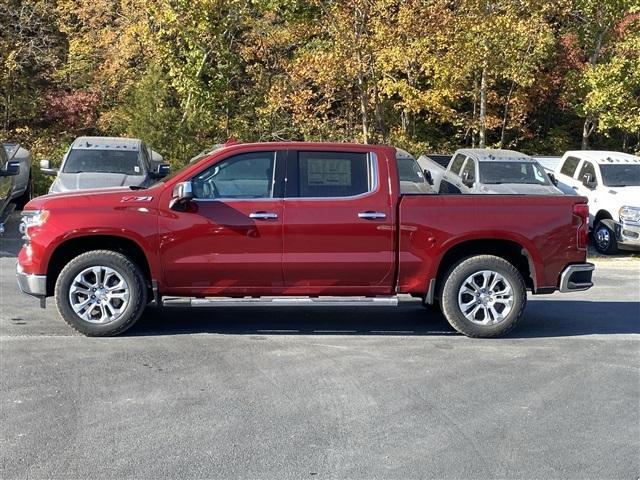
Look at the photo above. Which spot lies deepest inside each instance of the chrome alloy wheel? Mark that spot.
(485, 297)
(99, 294)
(603, 237)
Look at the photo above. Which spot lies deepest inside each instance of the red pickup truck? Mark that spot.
(321, 221)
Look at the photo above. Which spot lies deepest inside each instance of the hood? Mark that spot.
(110, 197)
(65, 182)
(520, 188)
(628, 196)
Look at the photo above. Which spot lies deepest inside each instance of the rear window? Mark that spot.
(103, 161)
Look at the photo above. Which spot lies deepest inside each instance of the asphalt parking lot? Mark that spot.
(321, 392)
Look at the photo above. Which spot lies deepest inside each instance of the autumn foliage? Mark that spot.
(428, 75)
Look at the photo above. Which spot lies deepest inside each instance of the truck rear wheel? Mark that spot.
(483, 296)
(101, 293)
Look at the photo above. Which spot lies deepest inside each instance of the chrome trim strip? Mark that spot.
(565, 278)
(294, 302)
(372, 161)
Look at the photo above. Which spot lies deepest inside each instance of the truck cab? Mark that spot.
(491, 171)
(611, 182)
(101, 162)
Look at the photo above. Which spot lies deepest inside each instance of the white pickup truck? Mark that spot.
(487, 171)
(611, 182)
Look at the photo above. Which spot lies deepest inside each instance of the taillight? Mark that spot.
(581, 210)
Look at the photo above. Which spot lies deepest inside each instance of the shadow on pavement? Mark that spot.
(543, 318)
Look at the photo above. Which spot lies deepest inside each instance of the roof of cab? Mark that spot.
(107, 143)
(496, 155)
(604, 156)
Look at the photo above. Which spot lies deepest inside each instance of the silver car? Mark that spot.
(100, 162)
(21, 192)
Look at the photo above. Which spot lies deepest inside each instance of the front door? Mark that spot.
(338, 224)
(229, 241)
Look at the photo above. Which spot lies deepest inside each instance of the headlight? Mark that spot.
(629, 214)
(32, 218)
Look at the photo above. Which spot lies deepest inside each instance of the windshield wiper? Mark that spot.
(137, 187)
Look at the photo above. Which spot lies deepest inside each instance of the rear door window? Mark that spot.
(569, 166)
(330, 175)
(457, 163)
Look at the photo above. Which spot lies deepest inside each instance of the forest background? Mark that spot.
(426, 75)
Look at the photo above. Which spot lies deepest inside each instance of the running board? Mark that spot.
(282, 302)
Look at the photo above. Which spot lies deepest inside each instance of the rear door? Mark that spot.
(338, 223)
(451, 180)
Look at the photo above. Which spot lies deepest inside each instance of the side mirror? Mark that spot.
(467, 179)
(12, 169)
(45, 167)
(161, 171)
(428, 177)
(588, 181)
(553, 179)
(182, 195)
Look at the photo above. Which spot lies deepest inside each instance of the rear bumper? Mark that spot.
(575, 278)
(35, 285)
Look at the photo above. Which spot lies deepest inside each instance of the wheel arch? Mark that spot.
(75, 246)
(509, 250)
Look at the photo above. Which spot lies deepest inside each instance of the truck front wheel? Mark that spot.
(483, 296)
(604, 239)
(101, 293)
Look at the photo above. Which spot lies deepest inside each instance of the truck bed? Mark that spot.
(431, 225)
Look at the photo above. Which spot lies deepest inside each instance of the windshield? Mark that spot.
(621, 175)
(103, 161)
(512, 172)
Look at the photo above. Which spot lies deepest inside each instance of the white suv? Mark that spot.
(611, 182)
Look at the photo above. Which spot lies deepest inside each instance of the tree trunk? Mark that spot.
(505, 116)
(587, 129)
(483, 109)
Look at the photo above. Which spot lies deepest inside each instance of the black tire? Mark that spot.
(126, 269)
(458, 276)
(604, 239)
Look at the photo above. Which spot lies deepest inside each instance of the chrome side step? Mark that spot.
(282, 302)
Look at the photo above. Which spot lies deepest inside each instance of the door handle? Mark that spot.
(263, 215)
(372, 215)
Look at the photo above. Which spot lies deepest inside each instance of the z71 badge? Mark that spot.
(136, 198)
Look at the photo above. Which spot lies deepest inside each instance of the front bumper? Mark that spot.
(35, 285)
(627, 236)
(575, 278)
